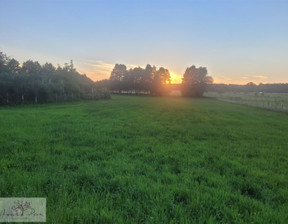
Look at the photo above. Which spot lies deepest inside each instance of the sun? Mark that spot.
(175, 79)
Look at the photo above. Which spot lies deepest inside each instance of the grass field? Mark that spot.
(271, 101)
(147, 160)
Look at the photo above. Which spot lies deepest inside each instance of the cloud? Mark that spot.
(100, 66)
(96, 69)
(222, 79)
(260, 77)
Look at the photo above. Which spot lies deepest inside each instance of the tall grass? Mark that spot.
(147, 160)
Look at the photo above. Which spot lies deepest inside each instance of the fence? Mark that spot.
(270, 101)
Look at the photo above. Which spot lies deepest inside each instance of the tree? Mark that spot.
(148, 77)
(128, 81)
(160, 82)
(117, 76)
(195, 81)
(251, 87)
(102, 84)
(3, 62)
(48, 68)
(139, 80)
(40, 84)
(31, 67)
(69, 68)
(13, 66)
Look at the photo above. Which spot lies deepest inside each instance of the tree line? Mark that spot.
(32, 82)
(155, 82)
(35, 83)
(249, 87)
(138, 80)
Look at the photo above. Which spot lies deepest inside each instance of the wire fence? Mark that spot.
(270, 101)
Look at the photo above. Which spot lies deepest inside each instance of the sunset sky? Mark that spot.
(237, 40)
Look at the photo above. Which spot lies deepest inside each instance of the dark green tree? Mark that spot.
(161, 79)
(4, 59)
(195, 81)
(148, 76)
(117, 76)
(48, 68)
(31, 67)
(41, 84)
(13, 66)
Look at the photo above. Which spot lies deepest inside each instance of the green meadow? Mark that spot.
(136, 159)
(270, 101)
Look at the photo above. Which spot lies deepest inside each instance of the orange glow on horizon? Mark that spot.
(175, 79)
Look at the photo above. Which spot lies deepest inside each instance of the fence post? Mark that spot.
(92, 90)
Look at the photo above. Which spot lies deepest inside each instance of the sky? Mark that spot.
(238, 41)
